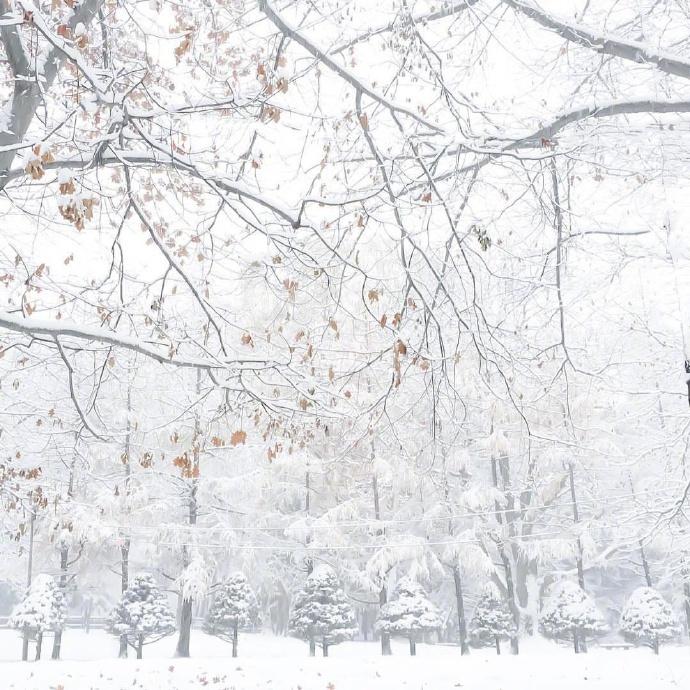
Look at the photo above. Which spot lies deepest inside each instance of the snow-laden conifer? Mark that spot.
(409, 613)
(571, 614)
(321, 611)
(143, 614)
(648, 618)
(41, 610)
(234, 608)
(492, 620)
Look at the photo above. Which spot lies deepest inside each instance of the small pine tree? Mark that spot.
(321, 612)
(409, 613)
(491, 621)
(143, 614)
(648, 619)
(571, 614)
(42, 610)
(234, 607)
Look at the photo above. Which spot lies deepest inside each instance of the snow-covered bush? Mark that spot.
(571, 614)
(648, 619)
(143, 614)
(42, 610)
(321, 612)
(409, 613)
(234, 607)
(492, 620)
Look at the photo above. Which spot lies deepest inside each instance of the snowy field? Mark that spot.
(268, 662)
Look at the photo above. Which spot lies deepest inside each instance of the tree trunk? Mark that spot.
(312, 647)
(29, 570)
(25, 643)
(460, 605)
(686, 591)
(383, 595)
(124, 549)
(413, 647)
(39, 644)
(498, 645)
(503, 555)
(645, 565)
(140, 646)
(234, 640)
(57, 640)
(576, 647)
(325, 647)
(385, 637)
(182, 649)
(124, 583)
(655, 645)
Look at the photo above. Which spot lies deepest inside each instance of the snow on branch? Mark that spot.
(37, 328)
(602, 42)
(62, 46)
(419, 18)
(322, 55)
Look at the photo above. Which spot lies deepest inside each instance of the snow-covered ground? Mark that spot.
(273, 663)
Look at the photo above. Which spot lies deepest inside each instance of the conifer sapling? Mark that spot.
(648, 618)
(571, 614)
(143, 614)
(234, 608)
(42, 610)
(409, 613)
(321, 612)
(492, 620)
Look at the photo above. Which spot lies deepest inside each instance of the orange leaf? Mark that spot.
(238, 437)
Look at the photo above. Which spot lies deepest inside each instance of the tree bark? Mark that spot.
(124, 583)
(460, 605)
(498, 645)
(234, 640)
(124, 550)
(39, 644)
(503, 555)
(183, 640)
(28, 92)
(57, 640)
(184, 637)
(413, 647)
(686, 591)
(140, 646)
(29, 570)
(325, 647)
(25, 643)
(385, 637)
(383, 595)
(312, 647)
